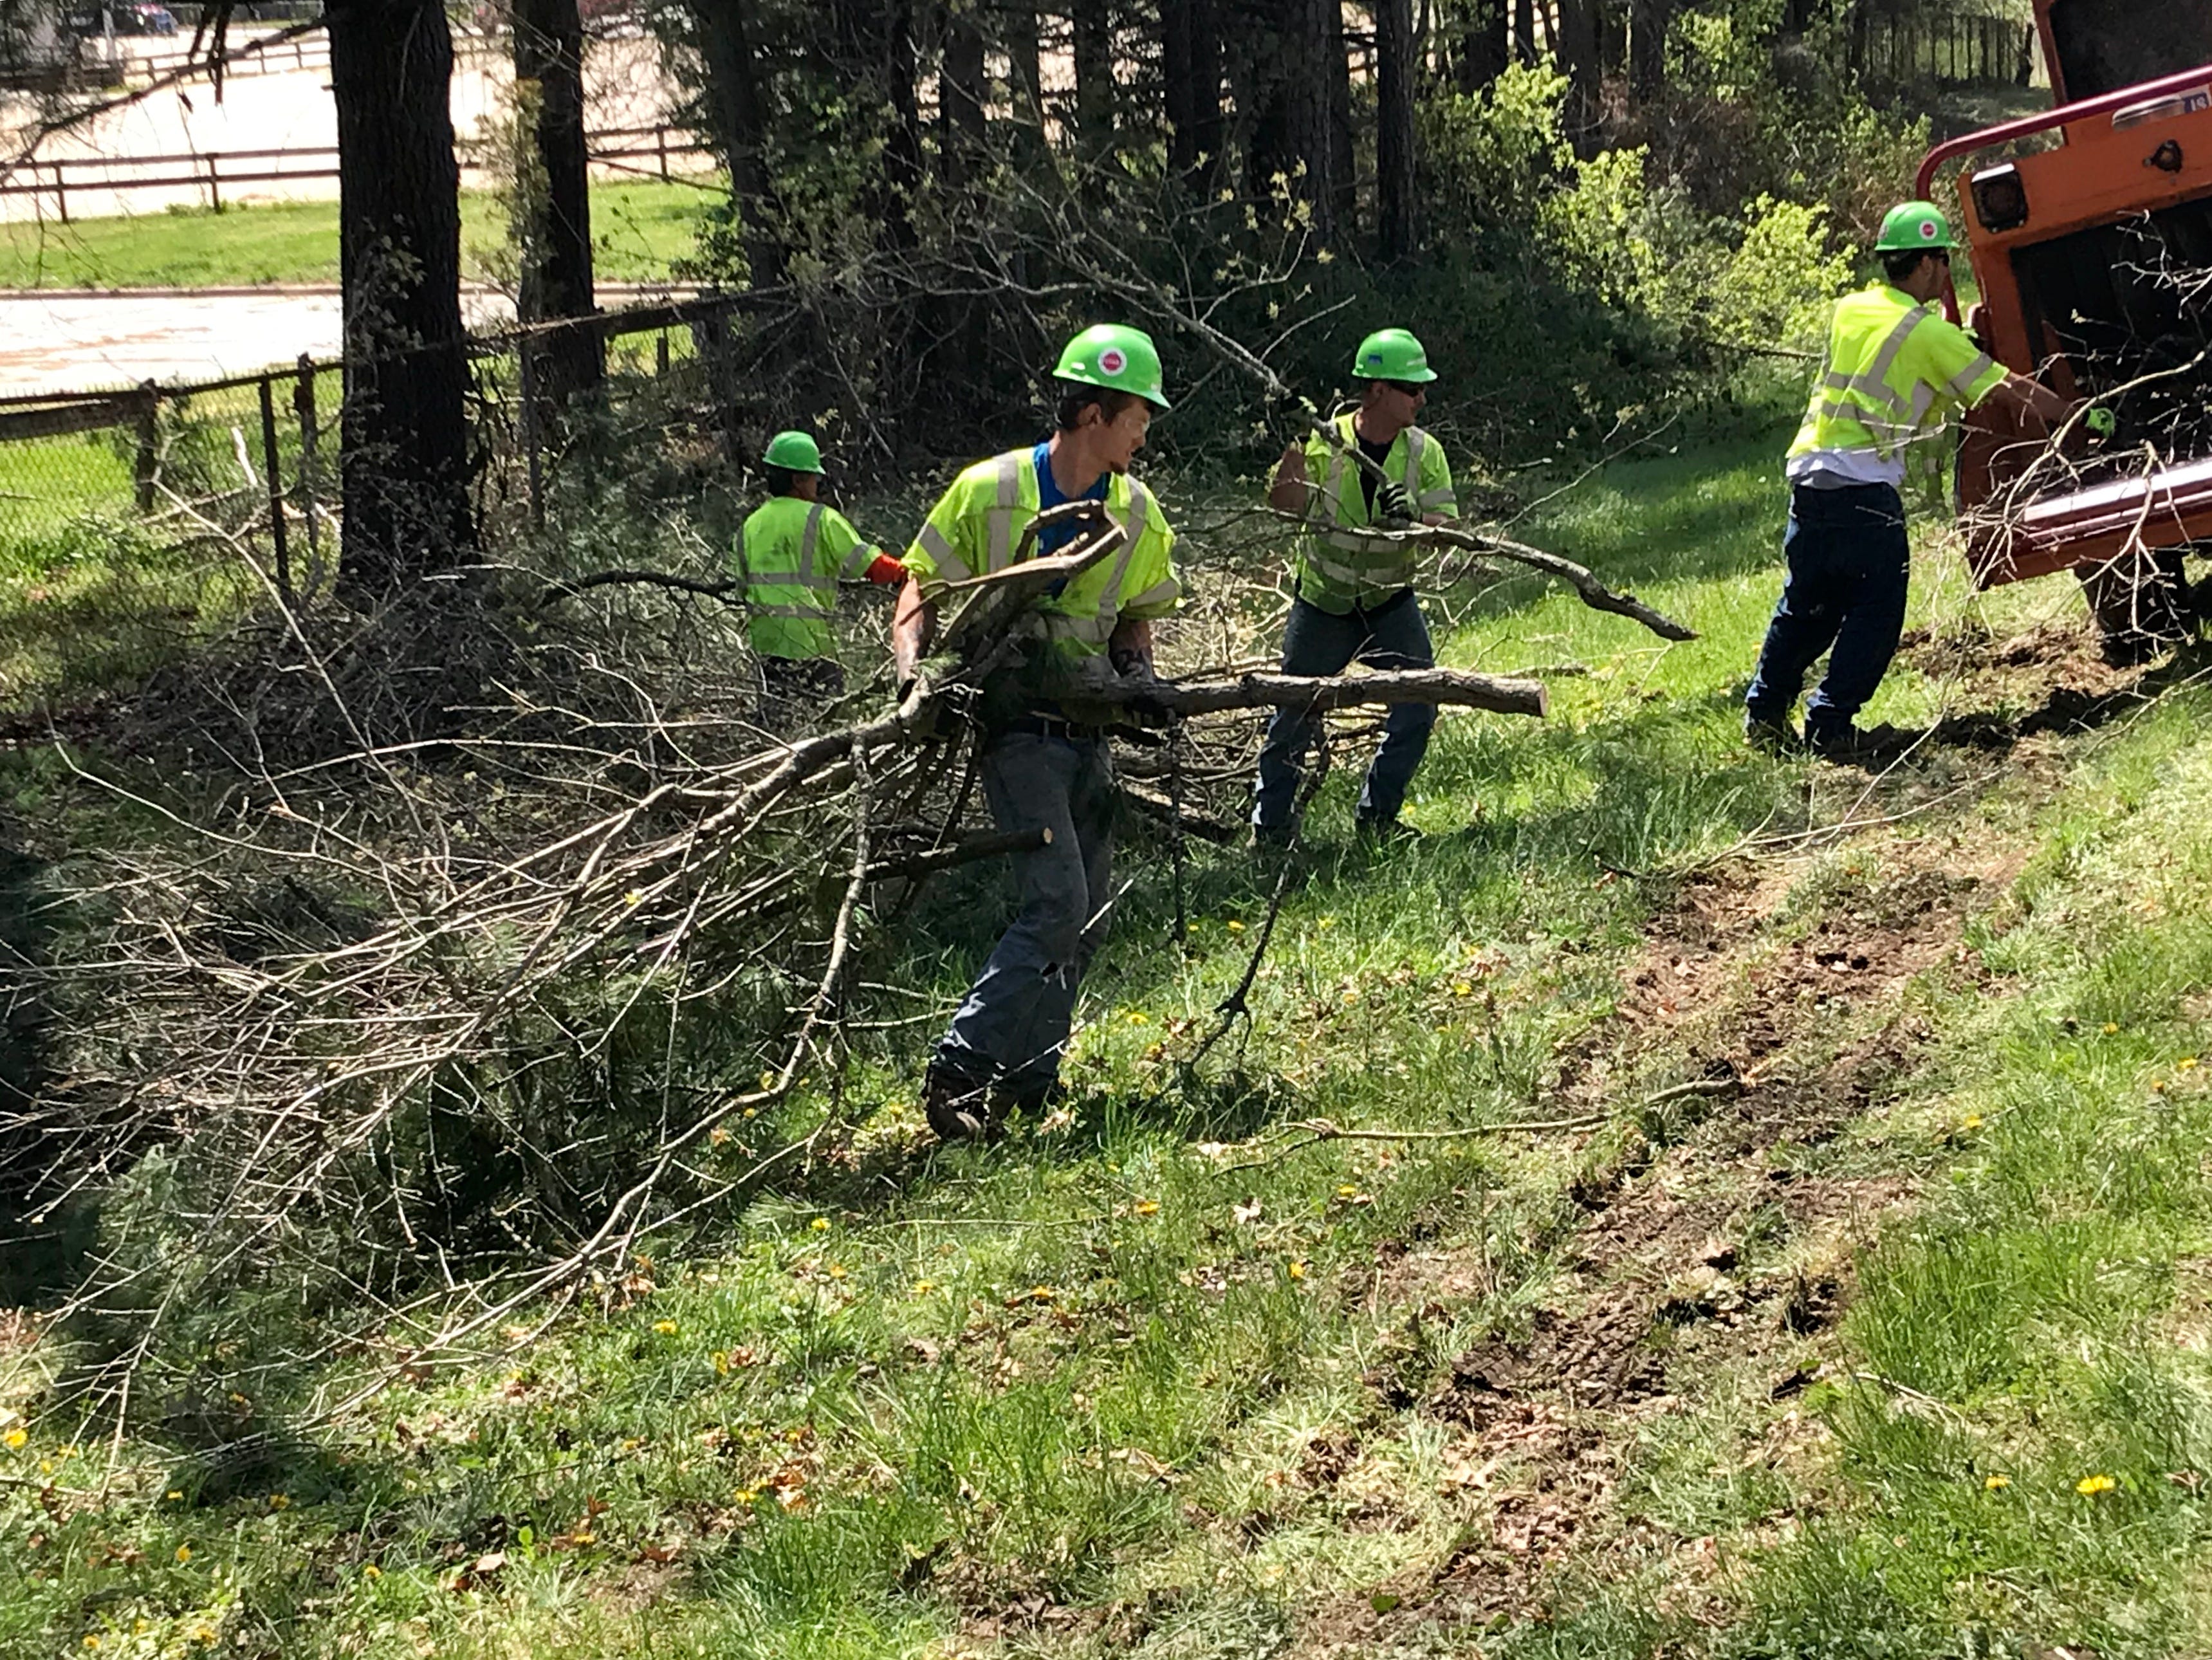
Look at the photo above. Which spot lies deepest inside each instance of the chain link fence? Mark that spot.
(128, 516)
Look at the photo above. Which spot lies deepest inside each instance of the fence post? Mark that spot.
(146, 469)
(303, 405)
(215, 184)
(273, 464)
(660, 355)
(61, 190)
(525, 358)
(661, 141)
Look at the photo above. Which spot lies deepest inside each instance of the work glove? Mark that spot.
(1136, 672)
(1392, 506)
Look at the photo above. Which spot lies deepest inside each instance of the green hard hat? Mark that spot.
(1915, 225)
(1115, 357)
(1392, 355)
(795, 451)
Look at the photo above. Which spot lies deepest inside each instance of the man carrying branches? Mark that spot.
(1045, 765)
(1355, 590)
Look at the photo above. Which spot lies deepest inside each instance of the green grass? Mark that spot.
(1069, 1395)
(638, 229)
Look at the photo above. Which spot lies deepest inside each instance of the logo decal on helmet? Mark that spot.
(1111, 361)
(1928, 230)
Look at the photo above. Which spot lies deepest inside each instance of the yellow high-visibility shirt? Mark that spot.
(1894, 367)
(791, 556)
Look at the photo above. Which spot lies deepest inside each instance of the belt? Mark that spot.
(1047, 726)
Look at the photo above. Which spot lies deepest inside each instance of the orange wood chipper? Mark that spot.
(2089, 227)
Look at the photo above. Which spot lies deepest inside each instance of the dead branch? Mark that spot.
(722, 588)
(1453, 687)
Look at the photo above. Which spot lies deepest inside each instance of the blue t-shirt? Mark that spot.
(1052, 541)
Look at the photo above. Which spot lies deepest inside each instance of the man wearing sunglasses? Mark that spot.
(1355, 588)
(1895, 367)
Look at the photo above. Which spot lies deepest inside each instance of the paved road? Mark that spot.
(93, 343)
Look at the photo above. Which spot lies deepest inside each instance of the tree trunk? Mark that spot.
(1335, 59)
(1485, 44)
(1578, 50)
(1025, 72)
(1648, 22)
(960, 95)
(404, 467)
(1396, 231)
(1287, 65)
(1190, 57)
(556, 236)
(1094, 76)
(1524, 31)
(730, 53)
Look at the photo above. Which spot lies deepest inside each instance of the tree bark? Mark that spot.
(1524, 31)
(1648, 22)
(729, 52)
(1094, 76)
(960, 95)
(1579, 47)
(1287, 65)
(557, 237)
(1190, 57)
(1026, 74)
(403, 468)
(1396, 233)
(1486, 46)
(1335, 59)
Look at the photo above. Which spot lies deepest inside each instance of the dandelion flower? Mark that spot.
(666, 1328)
(184, 1552)
(1041, 1293)
(1460, 988)
(836, 1270)
(1233, 926)
(923, 1287)
(2187, 1063)
(820, 1225)
(1345, 1190)
(1148, 1207)
(16, 1439)
(1298, 1268)
(1352, 997)
(279, 1501)
(1328, 921)
(1972, 1121)
(2090, 1486)
(2110, 1026)
(370, 1570)
(633, 897)
(175, 1496)
(1138, 1017)
(1993, 1483)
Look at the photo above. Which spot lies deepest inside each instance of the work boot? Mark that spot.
(955, 1101)
(1272, 838)
(1769, 736)
(1373, 827)
(1856, 743)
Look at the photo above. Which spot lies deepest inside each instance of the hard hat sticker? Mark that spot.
(1111, 359)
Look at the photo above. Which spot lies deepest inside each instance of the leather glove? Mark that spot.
(1393, 505)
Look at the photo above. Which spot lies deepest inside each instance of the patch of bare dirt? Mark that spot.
(1811, 1025)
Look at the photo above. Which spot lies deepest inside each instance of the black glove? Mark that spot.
(1393, 505)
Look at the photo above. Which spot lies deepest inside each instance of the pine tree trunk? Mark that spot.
(1190, 55)
(1094, 76)
(1648, 22)
(1025, 72)
(1486, 46)
(960, 95)
(403, 464)
(1579, 47)
(1334, 53)
(1395, 230)
(1524, 31)
(556, 271)
(726, 44)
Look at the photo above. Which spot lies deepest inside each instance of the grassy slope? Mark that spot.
(1134, 1383)
(638, 229)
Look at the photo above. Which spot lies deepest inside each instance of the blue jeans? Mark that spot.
(1848, 564)
(1013, 1026)
(1392, 636)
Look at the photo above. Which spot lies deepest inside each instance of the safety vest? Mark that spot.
(791, 556)
(978, 524)
(1892, 364)
(1341, 567)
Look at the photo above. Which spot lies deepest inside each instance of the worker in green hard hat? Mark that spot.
(1895, 366)
(1043, 765)
(1354, 595)
(790, 554)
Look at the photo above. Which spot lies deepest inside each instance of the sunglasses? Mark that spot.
(1411, 389)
